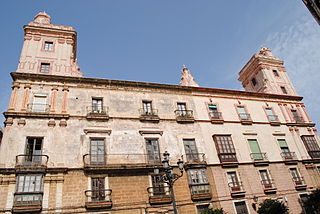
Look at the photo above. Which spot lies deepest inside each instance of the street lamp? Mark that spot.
(169, 177)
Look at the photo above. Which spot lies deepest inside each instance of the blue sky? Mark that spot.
(150, 40)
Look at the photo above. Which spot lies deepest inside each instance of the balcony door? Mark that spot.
(233, 181)
(33, 150)
(242, 113)
(158, 185)
(255, 149)
(98, 189)
(271, 116)
(153, 152)
(182, 108)
(97, 105)
(266, 181)
(147, 107)
(191, 150)
(97, 151)
(213, 111)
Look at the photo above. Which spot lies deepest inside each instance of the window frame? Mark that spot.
(266, 108)
(311, 148)
(275, 72)
(248, 116)
(97, 162)
(143, 106)
(238, 201)
(218, 112)
(52, 46)
(234, 153)
(45, 65)
(284, 90)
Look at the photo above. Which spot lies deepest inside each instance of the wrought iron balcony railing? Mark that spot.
(228, 157)
(259, 156)
(288, 156)
(194, 158)
(245, 117)
(98, 198)
(273, 118)
(38, 108)
(32, 160)
(159, 195)
(299, 181)
(216, 115)
(184, 113)
(105, 160)
(149, 112)
(314, 154)
(268, 184)
(200, 189)
(236, 188)
(27, 202)
(298, 119)
(97, 110)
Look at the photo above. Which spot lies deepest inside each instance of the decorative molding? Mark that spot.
(96, 130)
(249, 133)
(150, 131)
(278, 133)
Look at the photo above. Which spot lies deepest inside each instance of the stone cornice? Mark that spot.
(184, 89)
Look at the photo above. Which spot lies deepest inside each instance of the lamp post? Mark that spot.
(169, 177)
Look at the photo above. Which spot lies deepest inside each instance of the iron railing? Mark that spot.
(314, 154)
(298, 181)
(97, 110)
(287, 156)
(245, 117)
(200, 189)
(228, 157)
(184, 114)
(194, 157)
(298, 119)
(32, 160)
(103, 195)
(102, 160)
(235, 186)
(38, 108)
(268, 184)
(158, 191)
(259, 156)
(148, 112)
(27, 199)
(216, 115)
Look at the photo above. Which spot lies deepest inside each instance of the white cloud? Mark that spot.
(299, 46)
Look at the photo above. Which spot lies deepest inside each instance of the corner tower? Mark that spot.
(265, 73)
(49, 49)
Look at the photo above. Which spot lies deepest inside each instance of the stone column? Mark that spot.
(65, 99)
(283, 112)
(12, 103)
(53, 99)
(25, 98)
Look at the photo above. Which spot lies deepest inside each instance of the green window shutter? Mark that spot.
(254, 146)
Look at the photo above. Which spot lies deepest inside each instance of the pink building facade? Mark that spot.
(73, 144)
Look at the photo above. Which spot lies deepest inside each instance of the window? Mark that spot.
(97, 151)
(48, 46)
(265, 179)
(271, 116)
(242, 113)
(190, 149)
(45, 68)
(311, 146)
(29, 190)
(284, 90)
(255, 150)
(225, 148)
(153, 151)
(201, 208)
(198, 181)
(33, 150)
(98, 189)
(303, 199)
(275, 73)
(254, 81)
(97, 105)
(233, 181)
(296, 176)
(158, 185)
(213, 111)
(284, 149)
(147, 107)
(182, 109)
(241, 207)
(39, 104)
(296, 115)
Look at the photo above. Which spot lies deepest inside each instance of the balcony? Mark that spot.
(289, 157)
(314, 154)
(120, 161)
(31, 163)
(194, 159)
(184, 116)
(245, 118)
(236, 189)
(268, 186)
(228, 159)
(38, 108)
(97, 113)
(274, 120)
(216, 117)
(200, 192)
(159, 195)
(299, 121)
(98, 199)
(299, 183)
(27, 202)
(150, 115)
(259, 159)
